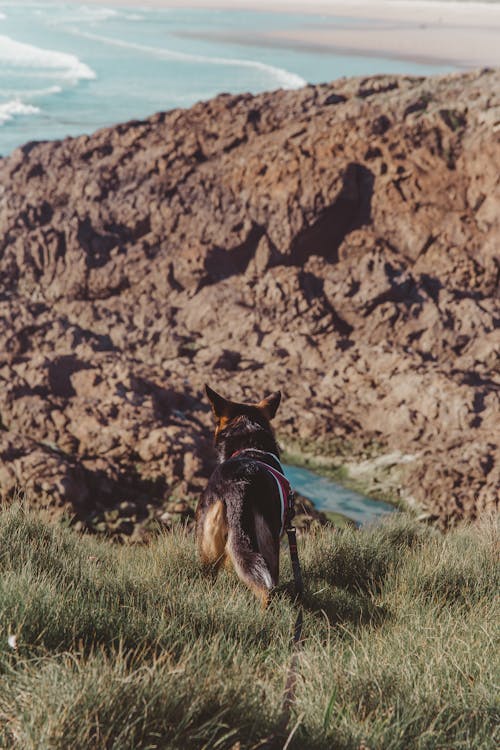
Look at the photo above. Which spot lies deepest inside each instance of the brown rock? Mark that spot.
(339, 242)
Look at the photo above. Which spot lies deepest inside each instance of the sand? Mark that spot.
(460, 34)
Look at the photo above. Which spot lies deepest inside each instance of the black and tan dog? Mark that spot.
(242, 513)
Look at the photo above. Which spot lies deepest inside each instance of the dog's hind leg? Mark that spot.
(250, 566)
(211, 533)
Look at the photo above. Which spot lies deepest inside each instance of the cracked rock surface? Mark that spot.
(340, 242)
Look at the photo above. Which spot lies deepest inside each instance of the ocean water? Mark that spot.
(67, 69)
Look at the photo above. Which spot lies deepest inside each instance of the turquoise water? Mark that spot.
(330, 496)
(67, 69)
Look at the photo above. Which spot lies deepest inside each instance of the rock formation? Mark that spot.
(340, 242)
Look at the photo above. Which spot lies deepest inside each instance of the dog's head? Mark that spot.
(243, 425)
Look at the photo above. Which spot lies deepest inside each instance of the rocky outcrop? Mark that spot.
(339, 242)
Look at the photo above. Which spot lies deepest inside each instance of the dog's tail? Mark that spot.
(249, 563)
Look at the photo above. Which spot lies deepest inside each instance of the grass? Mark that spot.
(131, 647)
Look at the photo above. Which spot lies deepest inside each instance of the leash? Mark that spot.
(281, 738)
(287, 498)
(297, 641)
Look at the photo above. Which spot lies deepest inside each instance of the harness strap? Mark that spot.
(282, 483)
(255, 450)
(284, 491)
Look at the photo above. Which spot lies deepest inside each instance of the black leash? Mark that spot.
(281, 739)
(297, 641)
(294, 557)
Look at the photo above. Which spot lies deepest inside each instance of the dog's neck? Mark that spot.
(245, 434)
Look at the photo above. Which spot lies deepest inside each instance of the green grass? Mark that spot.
(131, 647)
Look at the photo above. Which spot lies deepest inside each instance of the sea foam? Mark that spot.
(12, 108)
(85, 14)
(14, 54)
(284, 78)
(30, 93)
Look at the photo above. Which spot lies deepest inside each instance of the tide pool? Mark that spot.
(67, 69)
(330, 496)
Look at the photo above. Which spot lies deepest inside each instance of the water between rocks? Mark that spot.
(331, 497)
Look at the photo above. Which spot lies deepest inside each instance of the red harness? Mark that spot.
(282, 483)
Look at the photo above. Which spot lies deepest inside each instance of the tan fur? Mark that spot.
(263, 595)
(213, 537)
(214, 553)
(254, 556)
(223, 422)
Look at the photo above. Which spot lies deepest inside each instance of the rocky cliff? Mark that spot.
(340, 242)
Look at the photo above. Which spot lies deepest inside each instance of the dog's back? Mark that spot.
(239, 516)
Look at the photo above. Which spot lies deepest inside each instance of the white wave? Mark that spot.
(31, 93)
(84, 14)
(191, 98)
(285, 79)
(3, 17)
(26, 56)
(9, 110)
(98, 14)
(49, 91)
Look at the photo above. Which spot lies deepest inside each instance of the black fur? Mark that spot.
(252, 509)
(246, 432)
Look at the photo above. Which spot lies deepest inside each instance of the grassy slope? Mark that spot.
(130, 647)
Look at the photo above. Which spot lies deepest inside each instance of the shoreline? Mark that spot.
(464, 35)
(329, 7)
(300, 42)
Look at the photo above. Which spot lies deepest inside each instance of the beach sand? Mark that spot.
(462, 34)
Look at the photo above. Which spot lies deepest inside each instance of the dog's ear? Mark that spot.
(269, 405)
(221, 407)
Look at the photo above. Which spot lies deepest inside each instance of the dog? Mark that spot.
(244, 509)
